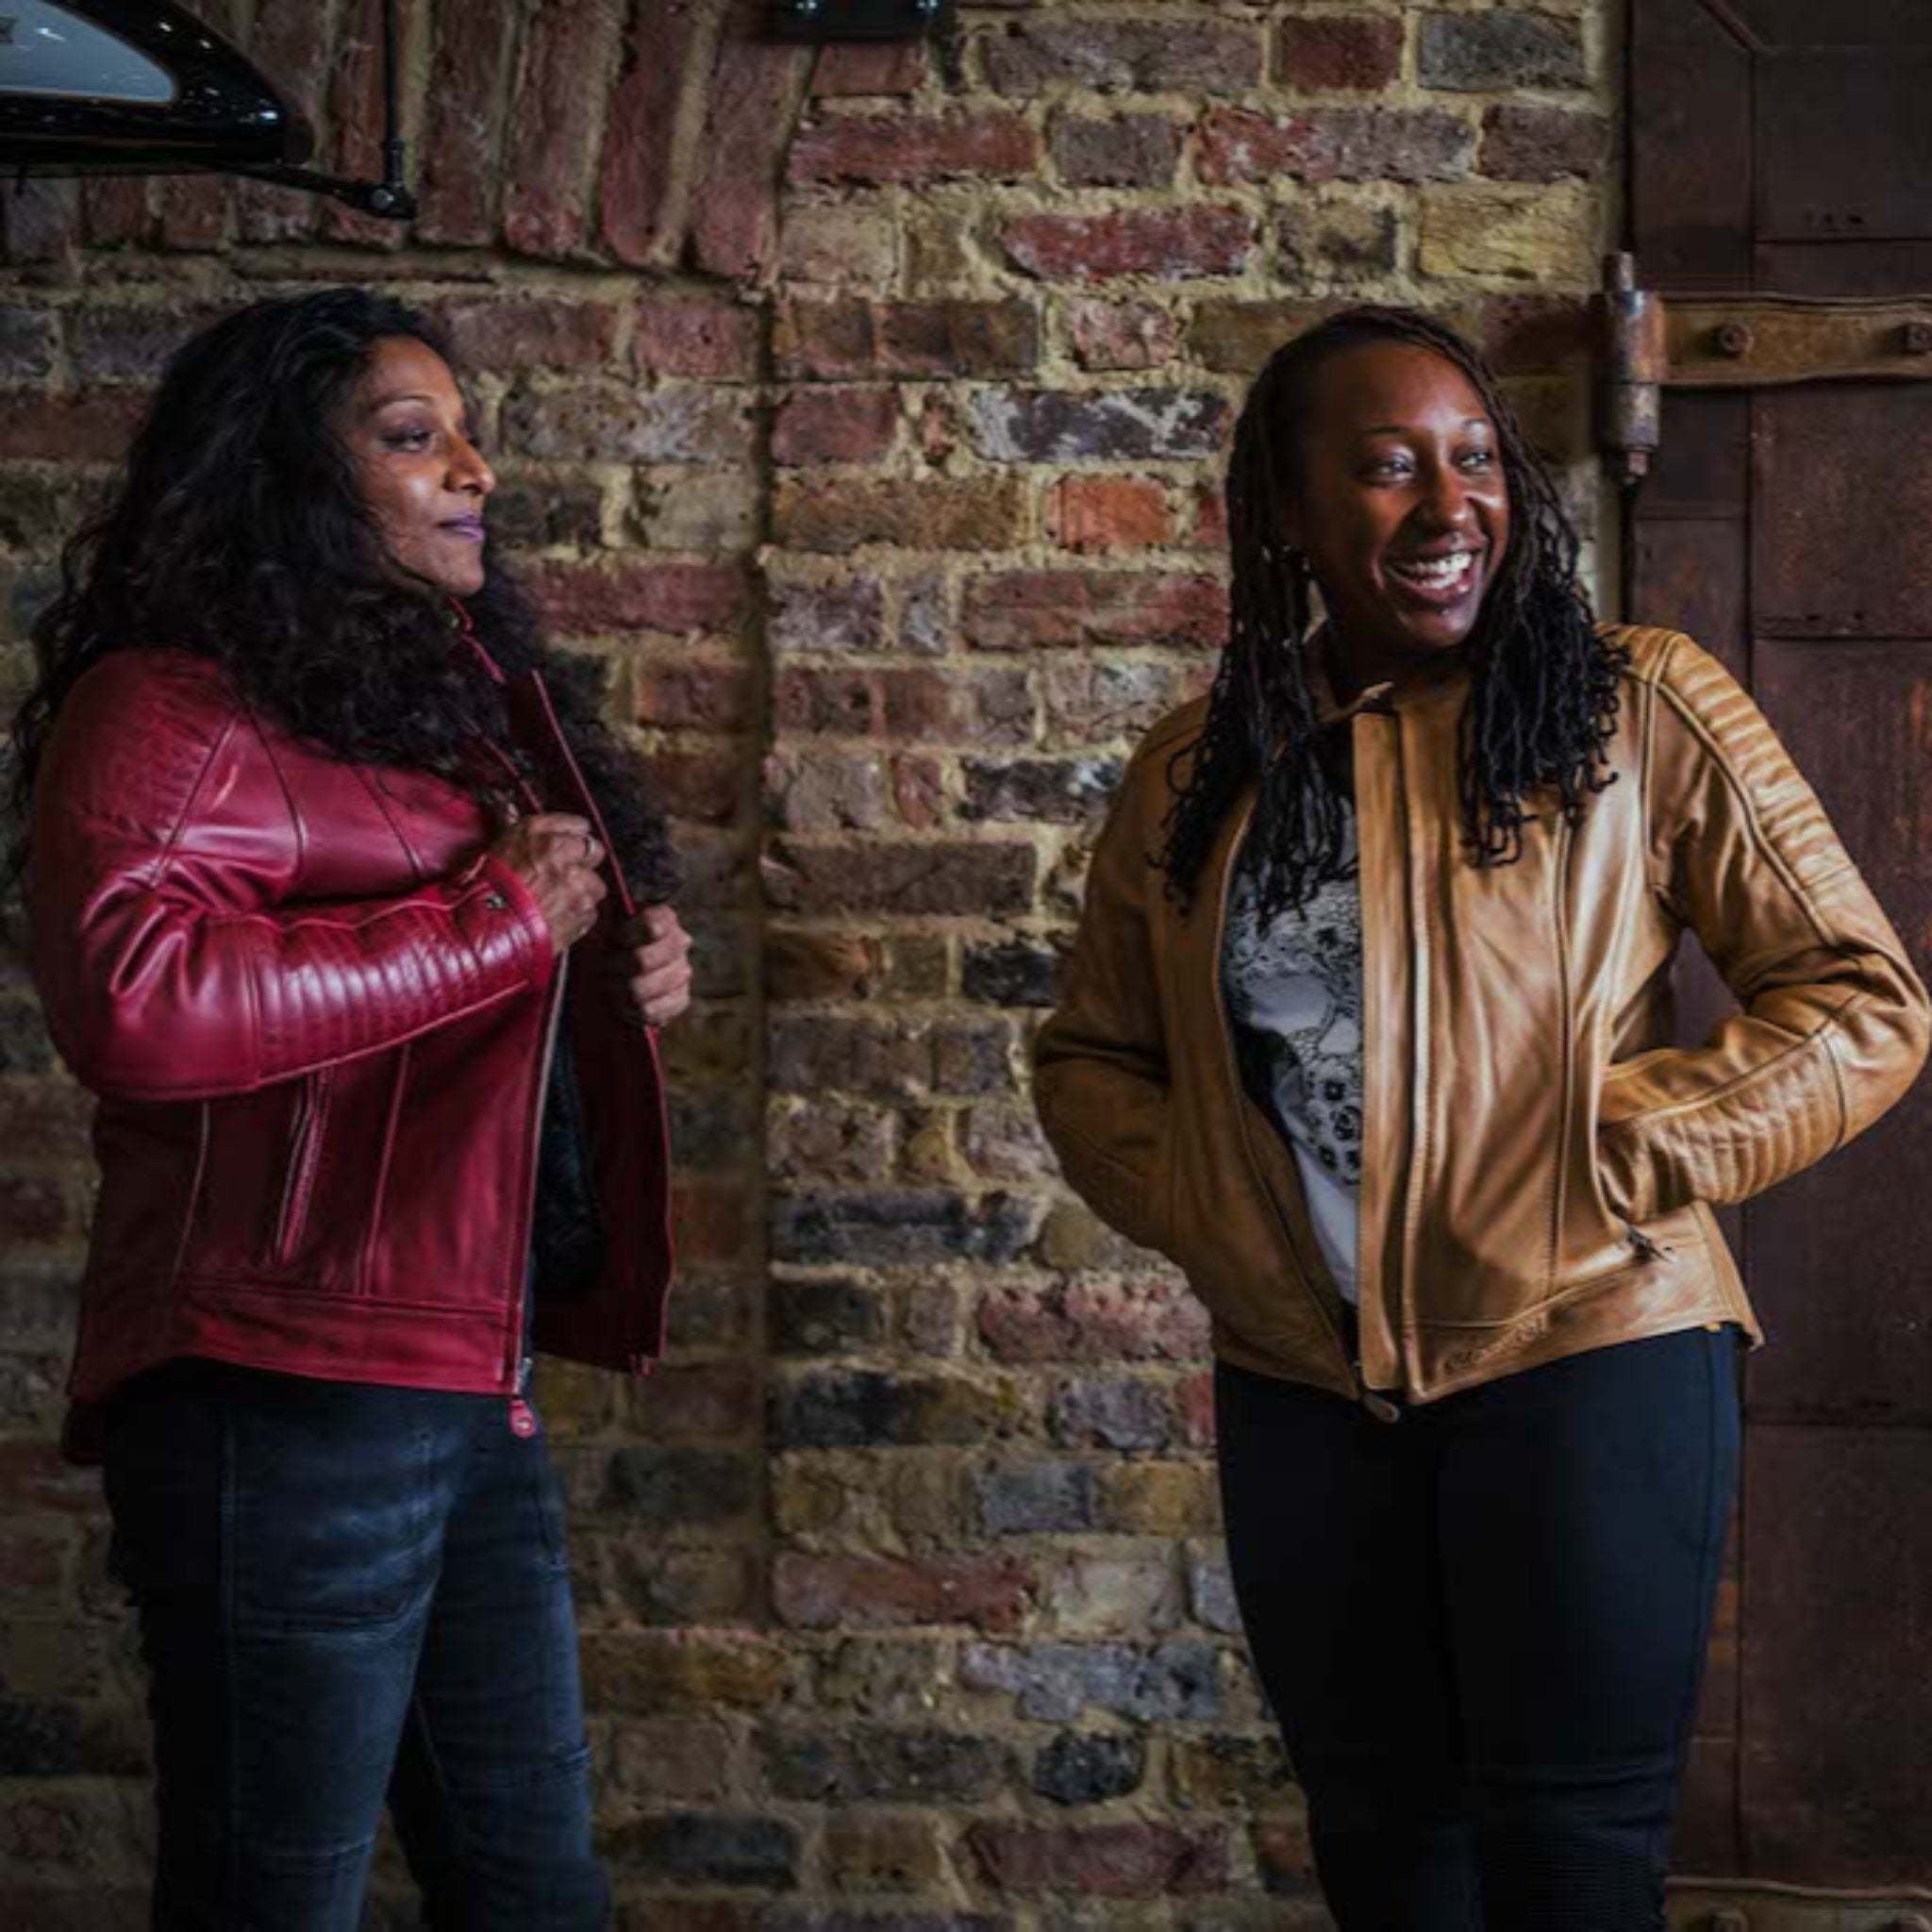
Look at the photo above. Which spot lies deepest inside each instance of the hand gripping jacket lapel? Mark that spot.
(1540, 1161)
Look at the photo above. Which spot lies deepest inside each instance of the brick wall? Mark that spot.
(861, 412)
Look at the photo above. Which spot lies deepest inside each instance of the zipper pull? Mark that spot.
(522, 1418)
(1379, 1406)
(1647, 1250)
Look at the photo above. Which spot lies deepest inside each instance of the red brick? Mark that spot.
(825, 792)
(1528, 143)
(291, 41)
(694, 697)
(1113, 424)
(891, 68)
(357, 110)
(115, 211)
(712, 342)
(1174, 244)
(835, 425)
(1130, 151)
(980, 880)
(113, 342)
(713, 1220)
(40, 221)
(1124, 1861)
(752, 102)
(869, 1592)
(1101, 702)
(1194, 1404)
(847, 614)
(1109, 513)
(706, 786)
(986, 146)
(36, 1476)
(1191, 57)
(530, 331)
(699, 1401)
(1334, 144)
(839, 514)
(827, 340)
(979, 709)
(1207, 518)
(918, 791)
(469, 73)
(1500, 50)
(584, 598)
(570, 50)
(639, 215)
(1357, 52)
(1284, 1858)
(1023, 610)
(92, 428)
(1123, 335)
(1152, 1319)
(592, 420)
(30, 1563)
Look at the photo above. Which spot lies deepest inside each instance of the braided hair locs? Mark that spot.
(1544, 698)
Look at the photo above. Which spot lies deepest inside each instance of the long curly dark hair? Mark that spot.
(1544, 699)
(237, 531)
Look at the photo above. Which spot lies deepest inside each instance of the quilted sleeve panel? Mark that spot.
(172, 962)
(1835, 1021)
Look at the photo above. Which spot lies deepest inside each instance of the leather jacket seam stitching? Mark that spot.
(1816, 1038)
(1766, 848)
(163, 861)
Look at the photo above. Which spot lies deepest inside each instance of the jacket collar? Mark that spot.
(1451, 678)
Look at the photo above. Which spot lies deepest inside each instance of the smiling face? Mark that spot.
(1400, 506)
(408, 434)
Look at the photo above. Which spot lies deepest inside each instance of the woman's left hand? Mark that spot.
(657, 966)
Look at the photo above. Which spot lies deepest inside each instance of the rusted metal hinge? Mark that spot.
(1737, 342)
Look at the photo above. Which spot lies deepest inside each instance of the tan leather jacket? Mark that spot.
(1538, 1159)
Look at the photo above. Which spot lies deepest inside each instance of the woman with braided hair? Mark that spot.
(1368, 1027)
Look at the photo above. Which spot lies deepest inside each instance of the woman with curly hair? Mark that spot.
(1368, 1027)
(352, 914)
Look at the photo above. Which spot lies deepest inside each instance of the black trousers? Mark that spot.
(1482, 1628)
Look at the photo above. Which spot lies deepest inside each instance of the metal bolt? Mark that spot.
(1734, 339)
(1915, 338)
(805, 6)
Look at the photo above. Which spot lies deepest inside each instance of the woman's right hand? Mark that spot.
(557, 855)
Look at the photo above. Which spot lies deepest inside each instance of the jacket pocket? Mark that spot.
(306, 1133)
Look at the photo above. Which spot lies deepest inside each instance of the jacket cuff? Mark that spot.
(504, 892)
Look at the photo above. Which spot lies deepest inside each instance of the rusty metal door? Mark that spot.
(1781, 209)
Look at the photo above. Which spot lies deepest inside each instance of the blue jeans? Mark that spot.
(350, 1596)
(1482, 1628)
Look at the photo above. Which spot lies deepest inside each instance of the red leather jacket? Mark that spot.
(318, 1016)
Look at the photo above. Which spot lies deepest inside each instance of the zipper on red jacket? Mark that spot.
(516, 1365)
(1353, 1369)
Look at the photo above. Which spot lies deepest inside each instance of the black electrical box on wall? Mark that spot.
(827, 20)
